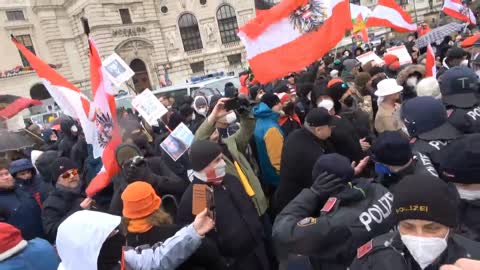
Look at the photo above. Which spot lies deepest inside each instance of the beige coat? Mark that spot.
(387, 119)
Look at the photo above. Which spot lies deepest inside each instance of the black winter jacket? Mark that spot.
(300, 152)
(238, 231)
(331, 235)
(59, 205)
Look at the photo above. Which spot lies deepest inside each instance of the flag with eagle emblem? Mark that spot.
(105, 119)
(292, 35)
(459, 11)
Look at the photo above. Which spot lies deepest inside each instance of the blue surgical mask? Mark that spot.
(382, 169)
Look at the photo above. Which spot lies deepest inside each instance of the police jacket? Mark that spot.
(465, 120)
(388, 252)
(421, 164)
(330, 236)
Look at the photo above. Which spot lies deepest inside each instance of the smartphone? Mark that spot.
(232, 104)
(202, 197)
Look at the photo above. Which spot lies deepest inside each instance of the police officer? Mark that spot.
(352, 212)
(459, 86)
(425, 209)
(425, 119)
(394, 159)
(459, 163)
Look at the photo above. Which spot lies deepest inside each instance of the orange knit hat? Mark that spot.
(139, 200)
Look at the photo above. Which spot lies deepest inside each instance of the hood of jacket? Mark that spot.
(21, 165)
(262, 111)
(66, 127)
(80, 251)
(46, 134)
(409, 71)
(43, 163)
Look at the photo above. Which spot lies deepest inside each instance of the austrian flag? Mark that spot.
(292, 35)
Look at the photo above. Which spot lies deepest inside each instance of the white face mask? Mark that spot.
(202, 111)
(464, 63)
(218, 173)
(412, 81)
(74, 129)
(231, 118)
(346, 54)
(326, 104)
(478, 73)
(469, 195)
(425, 250)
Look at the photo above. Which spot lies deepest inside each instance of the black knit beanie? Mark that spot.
(125, 152)
(270, 99)
(425, 197)
(60, 166)
(335, 164)
(203, 153)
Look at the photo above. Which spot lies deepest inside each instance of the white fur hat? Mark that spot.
(429, 87)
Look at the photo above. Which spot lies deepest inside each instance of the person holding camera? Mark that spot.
(233, 148)
(134, 167)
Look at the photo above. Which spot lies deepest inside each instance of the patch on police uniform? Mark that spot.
(328, 206)
(307, 221)
(449, 113)
(365, 249)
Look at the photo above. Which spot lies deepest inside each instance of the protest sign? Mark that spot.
(369, 56)
(149, 107)
(402, 54)
(117, 70)
(178, 142)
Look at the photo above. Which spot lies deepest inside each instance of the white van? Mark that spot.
(206, 87)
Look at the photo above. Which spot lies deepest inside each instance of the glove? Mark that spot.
(327, 185)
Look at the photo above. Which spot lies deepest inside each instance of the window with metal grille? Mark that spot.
(198, 67)
(26, 40)
(189, 32)
(125, 16)
(235, 59)
(356, 2)
(402, 2)
(15, 15)
(227, 24)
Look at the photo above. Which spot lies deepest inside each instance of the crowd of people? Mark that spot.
(342, 165)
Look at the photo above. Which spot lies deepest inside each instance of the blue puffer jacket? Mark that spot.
(266, 119)
(37, 255)
(20, 209)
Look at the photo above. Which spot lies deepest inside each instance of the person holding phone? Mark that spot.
(145, 222)
(239, 233)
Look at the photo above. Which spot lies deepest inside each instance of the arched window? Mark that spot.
(227, 24)
(190, 33)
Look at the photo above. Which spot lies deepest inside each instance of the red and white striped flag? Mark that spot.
(389, 14)
(105, 119)
(430, 65)
(292, 35)
(457, 10)
(68, 97)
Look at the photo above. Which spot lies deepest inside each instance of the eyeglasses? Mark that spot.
(70, 173)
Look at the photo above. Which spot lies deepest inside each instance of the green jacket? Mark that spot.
(236, 144)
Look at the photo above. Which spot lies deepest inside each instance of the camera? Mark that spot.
(137, 161)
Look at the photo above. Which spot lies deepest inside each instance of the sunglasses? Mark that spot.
(70, 173)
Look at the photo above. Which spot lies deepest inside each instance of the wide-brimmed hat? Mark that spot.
(388, 87)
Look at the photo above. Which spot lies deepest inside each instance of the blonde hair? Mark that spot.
(157, 218)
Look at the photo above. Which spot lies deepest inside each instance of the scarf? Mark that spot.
(285, 118)
(139, 225)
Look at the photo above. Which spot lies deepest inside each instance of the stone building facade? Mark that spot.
(162, 40)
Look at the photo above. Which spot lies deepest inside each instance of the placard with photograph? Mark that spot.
(117, 70)
(149, 107)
